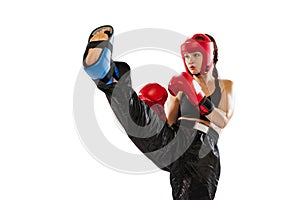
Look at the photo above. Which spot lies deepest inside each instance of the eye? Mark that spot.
(186, 56)
(197, 54)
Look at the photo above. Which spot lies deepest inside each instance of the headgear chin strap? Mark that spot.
(201, 43)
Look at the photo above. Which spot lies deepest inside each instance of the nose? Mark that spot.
(190, 60)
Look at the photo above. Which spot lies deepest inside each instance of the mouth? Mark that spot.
(192, 67)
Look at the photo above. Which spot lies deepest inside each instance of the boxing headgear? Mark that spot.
(201, 43)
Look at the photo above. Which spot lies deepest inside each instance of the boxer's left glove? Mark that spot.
(155, 96)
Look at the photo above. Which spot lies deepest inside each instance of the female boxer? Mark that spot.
(207, 101)
(194, 121)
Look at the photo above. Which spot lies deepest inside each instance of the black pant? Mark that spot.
(196, 173)
(192, 177)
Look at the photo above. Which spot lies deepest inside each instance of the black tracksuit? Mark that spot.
(191, 156)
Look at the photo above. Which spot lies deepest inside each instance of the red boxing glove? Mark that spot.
(185, 83)
(155, 96)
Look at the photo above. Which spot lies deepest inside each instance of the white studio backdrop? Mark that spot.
(42, 43)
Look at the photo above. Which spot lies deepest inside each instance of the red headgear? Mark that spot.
(202, 43)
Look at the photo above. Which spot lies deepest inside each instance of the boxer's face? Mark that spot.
(193, 61)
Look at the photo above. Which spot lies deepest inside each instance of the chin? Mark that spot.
(194, 72)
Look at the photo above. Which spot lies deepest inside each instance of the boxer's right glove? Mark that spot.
(185, 83)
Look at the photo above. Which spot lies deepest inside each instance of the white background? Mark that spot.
(42, 43)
